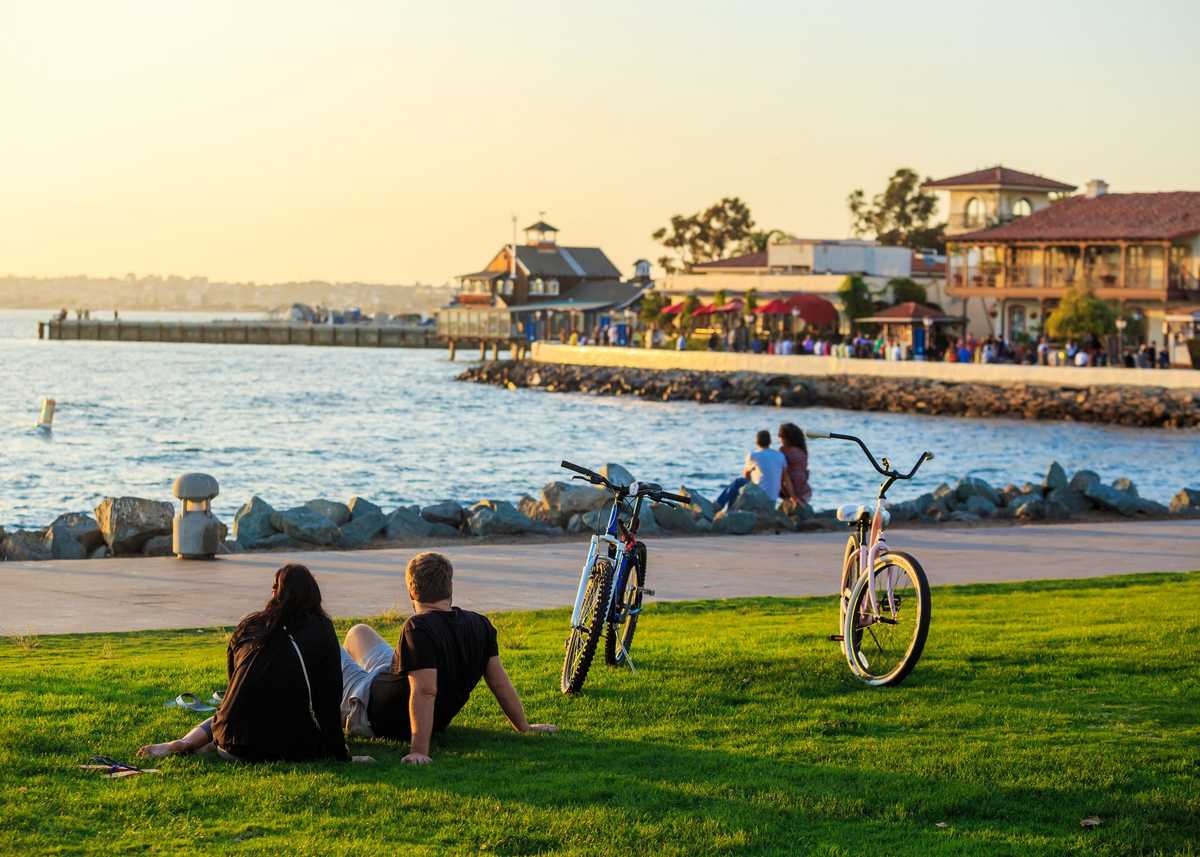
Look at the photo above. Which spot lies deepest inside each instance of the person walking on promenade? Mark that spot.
(764, 467)
(285, 684)
(415, 690)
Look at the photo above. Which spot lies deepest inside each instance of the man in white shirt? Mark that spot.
(764, 467)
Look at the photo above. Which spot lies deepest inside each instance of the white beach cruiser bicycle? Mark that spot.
(884, 594)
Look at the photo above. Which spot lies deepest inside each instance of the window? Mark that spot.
(1022, 208)
(536, 286)
(552, 287)
(973, 213)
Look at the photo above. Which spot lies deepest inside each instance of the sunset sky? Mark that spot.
(391, 141)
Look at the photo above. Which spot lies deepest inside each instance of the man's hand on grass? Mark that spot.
(416, 759)
(547, 728)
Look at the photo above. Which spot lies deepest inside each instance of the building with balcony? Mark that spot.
(1139, 250)
(994, 196)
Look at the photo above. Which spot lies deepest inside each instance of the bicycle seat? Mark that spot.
(852, 512)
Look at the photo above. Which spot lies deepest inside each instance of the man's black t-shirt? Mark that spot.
(457, 643)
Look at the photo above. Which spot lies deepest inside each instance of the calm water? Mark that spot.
(293, 423)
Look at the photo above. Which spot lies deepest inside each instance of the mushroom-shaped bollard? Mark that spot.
(196, 532)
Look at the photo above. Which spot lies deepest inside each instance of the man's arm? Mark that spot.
(422, 691)
(510, 703)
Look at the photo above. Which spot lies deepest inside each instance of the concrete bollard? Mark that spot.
(46, 419)
(196, 532)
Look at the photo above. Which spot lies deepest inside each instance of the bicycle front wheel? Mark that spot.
(629, 607)
(884, 632)
(581, 645)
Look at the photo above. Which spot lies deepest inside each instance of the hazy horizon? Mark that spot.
(381, 142)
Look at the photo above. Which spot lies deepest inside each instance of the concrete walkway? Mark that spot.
(133, 594)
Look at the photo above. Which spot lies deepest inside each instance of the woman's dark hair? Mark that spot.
(294, 595)
(793, 436)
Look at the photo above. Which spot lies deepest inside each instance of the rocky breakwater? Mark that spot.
(130, 526)
(1133, 406)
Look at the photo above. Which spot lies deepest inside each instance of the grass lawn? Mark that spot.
(1034, 706)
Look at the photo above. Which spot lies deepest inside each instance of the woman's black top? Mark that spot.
(265, 715)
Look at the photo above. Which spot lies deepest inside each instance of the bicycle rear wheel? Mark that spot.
(849, 577)
(883, 640)
(581, 645)
(629, 606)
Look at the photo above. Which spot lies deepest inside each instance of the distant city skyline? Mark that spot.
(382, 142)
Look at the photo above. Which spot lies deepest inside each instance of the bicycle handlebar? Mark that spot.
(890, 474)
(654, 492)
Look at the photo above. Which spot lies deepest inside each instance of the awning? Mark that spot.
(561, 306)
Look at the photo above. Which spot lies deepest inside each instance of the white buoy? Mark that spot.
(46, 420)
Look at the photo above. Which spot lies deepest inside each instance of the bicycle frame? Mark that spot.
(620, 540)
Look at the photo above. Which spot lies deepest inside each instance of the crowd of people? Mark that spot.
(295, 694)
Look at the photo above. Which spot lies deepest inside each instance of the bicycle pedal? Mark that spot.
(644, 591)
(836, 638)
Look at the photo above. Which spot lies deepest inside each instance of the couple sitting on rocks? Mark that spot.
(294, 693)
(779, 473)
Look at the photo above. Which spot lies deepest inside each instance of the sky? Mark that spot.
(393, 141)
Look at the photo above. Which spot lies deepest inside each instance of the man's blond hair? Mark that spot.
(429, 576)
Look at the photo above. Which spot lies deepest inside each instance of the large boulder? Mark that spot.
(589, 522)
(734, 522)
(337, 512)
(406, 522)
(616, 474)
(127, 523)
(1082, 480)
(73, 536)
(701, 506)
(441, 531)
(1027, 507)
(24, 546)
(1125, 486)
(360, 507)
(971, 486)
(980, 506)
(252, 524)
(564, 499)
(754, 500)
(1073, 503)
(500, 518)
(278, 541)
(448, 512)
(305, 525)
(1056, 478)
(673, 519)
(361, 529)
(158, 546)
(1144, 506)
(1186, 502)
(1110, 499)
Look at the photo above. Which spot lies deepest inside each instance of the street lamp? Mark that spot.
(928, 323)
(1120, 325)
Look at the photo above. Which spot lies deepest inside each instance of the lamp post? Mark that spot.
(1120, 325)
(928, 323)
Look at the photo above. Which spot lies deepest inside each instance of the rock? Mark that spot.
(1143, 506)
(964, 517)
(1075, 504)
(1125, 486)
(1053, 509)
(902, 512)
(1110, 499)
(647, 525)
(448, 512)
(590, 522)
(980, 506)
(971, 486)
(674, 519)
(73, 536)
(359, 507)
(701, 506)
(1186, 502)
(127, 523)
(305, 525)
(1082, 479)
(24, 546)
(442, 531)
(101, 552)
(252, 524)
(943, 492)
(158, 546)
(564, 499)
(337, 512)
(616, 474)
(1029, 488)
(1027, 507)
(278, 541)
(500, 518)
(361, 529)
(406, 522)
(226, 546)
(1056, 478)
(734, 522)
(923, 504)
(1008, 492)
(754, 500)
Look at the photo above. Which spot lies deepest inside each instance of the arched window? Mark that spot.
(974, 212)
(1022, 208)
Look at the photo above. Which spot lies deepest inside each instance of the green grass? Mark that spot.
(1034, 706)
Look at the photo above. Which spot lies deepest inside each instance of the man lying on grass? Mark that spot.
(416, 689)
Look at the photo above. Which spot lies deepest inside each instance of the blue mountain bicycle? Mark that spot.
(612, 582)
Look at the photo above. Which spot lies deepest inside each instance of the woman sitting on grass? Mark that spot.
(285, 684)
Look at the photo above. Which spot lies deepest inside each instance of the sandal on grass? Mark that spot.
(190, 702)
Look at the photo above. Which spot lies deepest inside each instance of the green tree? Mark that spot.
(856, 298)
(720, 298)
(759, 239)
(901, 216)
(652, 306)
(1080, 314)
(751, 303)
(704, 236)
(904, 290)
(690, 304)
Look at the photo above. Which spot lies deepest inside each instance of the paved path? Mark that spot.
(132, 594)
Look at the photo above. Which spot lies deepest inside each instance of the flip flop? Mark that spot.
(114, 769)
(190, 702)
(217, 698)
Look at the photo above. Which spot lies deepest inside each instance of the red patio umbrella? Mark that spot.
(815, 310)
(704, 310)
(775, 307)
(674, 309)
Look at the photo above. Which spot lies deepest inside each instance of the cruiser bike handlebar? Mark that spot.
(884, 470)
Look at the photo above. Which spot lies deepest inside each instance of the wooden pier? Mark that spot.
(242, 333)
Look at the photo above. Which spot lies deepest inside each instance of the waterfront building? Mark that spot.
(995, 195)
(541, 290)
(1138, 250)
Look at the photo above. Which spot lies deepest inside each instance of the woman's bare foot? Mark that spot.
(157, 751)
